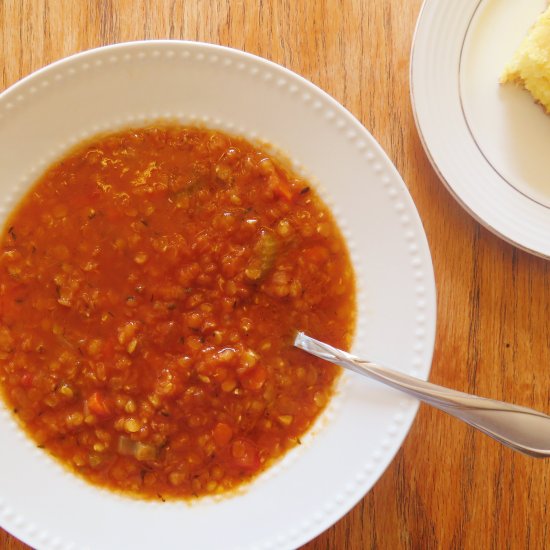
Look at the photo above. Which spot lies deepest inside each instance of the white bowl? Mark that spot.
(353, 442)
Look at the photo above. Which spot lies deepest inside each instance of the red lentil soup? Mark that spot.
(150, 286)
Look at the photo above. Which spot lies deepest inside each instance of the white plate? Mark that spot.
(488, 142)
(352, 444)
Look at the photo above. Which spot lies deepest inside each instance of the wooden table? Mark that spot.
(448, 487)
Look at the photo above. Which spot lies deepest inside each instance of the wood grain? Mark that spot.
(448, 486)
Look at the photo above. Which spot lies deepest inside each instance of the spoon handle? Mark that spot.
(520, 428)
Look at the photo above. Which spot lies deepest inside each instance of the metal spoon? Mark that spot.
(520, 428)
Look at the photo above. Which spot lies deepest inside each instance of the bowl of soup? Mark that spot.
(172, 213)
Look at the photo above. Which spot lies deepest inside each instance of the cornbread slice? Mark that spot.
(530, 66)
